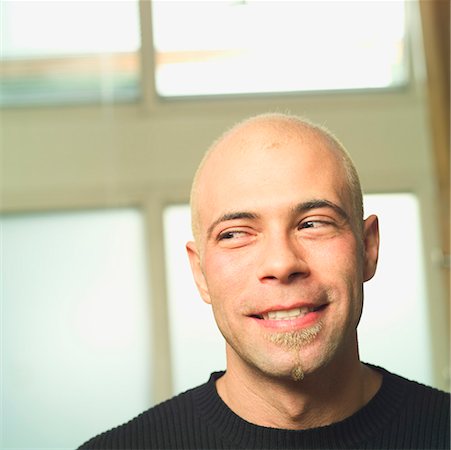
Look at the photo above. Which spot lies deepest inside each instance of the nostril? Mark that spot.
(295, 275)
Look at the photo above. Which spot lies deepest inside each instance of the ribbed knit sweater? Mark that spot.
(402, 415)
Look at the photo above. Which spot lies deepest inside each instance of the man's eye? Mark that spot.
(313, 224)
(230, 235)
(310, 224)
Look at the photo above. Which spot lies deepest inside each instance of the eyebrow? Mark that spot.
(320, 203)
(231, 216)
(298, 209)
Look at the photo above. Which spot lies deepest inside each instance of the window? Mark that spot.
(55, 52)
(251, 46)
(395, 323)
(59, 52)
(76, 356)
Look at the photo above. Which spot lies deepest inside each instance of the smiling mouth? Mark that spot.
(289, 314)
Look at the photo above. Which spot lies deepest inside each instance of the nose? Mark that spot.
(282, 260)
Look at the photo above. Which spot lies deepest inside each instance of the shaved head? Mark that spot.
(257, 130)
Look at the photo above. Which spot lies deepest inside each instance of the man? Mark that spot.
(281, 253)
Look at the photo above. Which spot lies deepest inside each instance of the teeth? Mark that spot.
(287, 314)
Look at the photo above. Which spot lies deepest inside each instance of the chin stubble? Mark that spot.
(297, 374)
(294, 341)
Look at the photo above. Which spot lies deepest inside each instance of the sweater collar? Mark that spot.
(349, 432)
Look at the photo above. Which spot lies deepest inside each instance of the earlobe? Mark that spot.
(371, 246)
(199, 278)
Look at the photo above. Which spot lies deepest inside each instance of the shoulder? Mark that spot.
(407, 414)
(417, 392)
(428, 400)
(154, 428)
(414, 400)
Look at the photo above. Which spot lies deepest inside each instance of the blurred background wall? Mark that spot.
(107, 108)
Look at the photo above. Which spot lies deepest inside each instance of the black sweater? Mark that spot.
(402, 415)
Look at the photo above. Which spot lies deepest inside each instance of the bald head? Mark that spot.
(266, 134)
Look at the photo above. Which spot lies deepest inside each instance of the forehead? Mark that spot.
(269, 167)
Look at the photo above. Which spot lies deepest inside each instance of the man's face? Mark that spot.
(278, 257)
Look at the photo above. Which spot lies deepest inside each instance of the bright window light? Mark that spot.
(251, 46)
(395, 323)
(75, 326)
(68, 51)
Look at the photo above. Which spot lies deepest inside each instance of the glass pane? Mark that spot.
(75, 326)
(227, 47)
(394, 326)
(192, 326)
(68, 51)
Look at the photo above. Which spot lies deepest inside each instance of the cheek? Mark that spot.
(337, 256)
(227, 277)
(345, 269)
(338, 265)
(226, 273)
(228, 264)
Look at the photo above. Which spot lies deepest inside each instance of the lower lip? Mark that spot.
(292, 324)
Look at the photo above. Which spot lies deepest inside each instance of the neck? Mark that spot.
(327, 396)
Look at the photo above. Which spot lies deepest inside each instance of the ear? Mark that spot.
(371, 246)
(199, 278)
